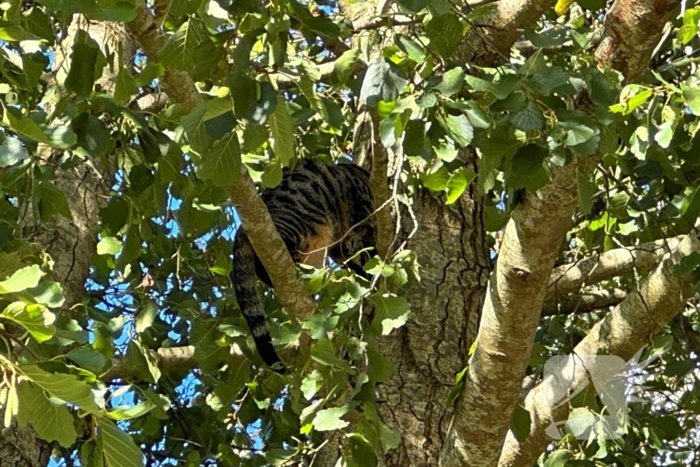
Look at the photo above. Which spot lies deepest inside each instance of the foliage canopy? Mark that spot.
(282, 81)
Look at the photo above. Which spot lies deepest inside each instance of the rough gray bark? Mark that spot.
(433, 346)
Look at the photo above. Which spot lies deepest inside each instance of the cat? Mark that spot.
(321, 210)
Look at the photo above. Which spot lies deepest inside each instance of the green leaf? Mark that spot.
(50, 201)
(124, 86)
(324, 353)
(500, 89)
(344, 66)
(557, 458)
(527, 161)
(458, 127)
(109, 246)
(16, 34)
(459, 181)
(130, 412)
(11, 152)
(520, 424)
(689, 30)
(687, 265)
(48, 293)
(94, 139)
(361, 452)
(63, 386)
(390, 311)
(88, 358)
(631, 97)
(229, 390)
(149, 73)
(445, 33)
(254, 136)
(144, 360)
(99, 10)
(115, 215)
(318, 24)
(664, 134)
(576, 133)
(272, 176)
(179, 50)
(476, 115)
(140, 178)
(119, 448)
(146, 316)
(586, 191)
(549, 79)
(451, 82)
(282, 127)
(380, 368)
(81, 76)
(222, 164)
(437, 180)
(60, 137)
(9, 263)
(411, 48)
(691, 97)
(25, 278)
(628, 228)
(193, 124)
(51, 422)
(311, 384)
(184, 7)
(254, 100)
(36, 319)
(329, 419)
(207, 350)
(529, 119)
(383, 82)
(580, 421)
(36, 22)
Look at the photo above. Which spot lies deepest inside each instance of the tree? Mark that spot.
(535, 169)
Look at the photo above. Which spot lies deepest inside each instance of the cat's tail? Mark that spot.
(243, 277)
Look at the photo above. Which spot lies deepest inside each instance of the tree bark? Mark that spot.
(623, 332)
(434, 344)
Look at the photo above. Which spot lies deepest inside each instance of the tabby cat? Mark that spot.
(314, 206)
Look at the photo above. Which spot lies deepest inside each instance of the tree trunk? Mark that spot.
(433, 346)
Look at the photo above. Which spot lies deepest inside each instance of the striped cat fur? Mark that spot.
(314, 208)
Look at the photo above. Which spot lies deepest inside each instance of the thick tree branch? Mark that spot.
(509, 320)
(572, 277)
(632, 30)
(379, 183)
(623, 332)
(629, 327)
(152, 102)
(490, 41)
(176, 83)
(286, 79)
(583, 303)
(267, 243)
(168, 359)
